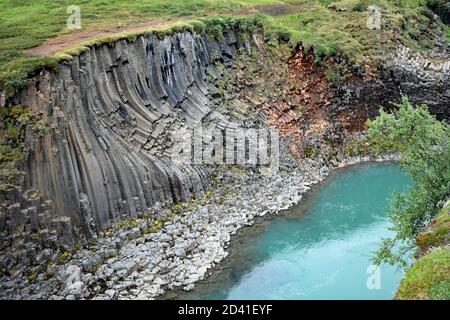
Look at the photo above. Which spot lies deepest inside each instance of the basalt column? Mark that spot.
(108, 117)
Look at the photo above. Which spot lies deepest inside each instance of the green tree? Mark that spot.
(423, 143)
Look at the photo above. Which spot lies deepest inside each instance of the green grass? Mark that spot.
(345, 31)
(428, 278)
(26, 24)
(324, 29)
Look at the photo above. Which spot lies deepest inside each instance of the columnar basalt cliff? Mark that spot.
(101, 149)
(109, 115)
(423, 80)
(107, 118)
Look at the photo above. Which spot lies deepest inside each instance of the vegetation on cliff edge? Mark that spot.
(428, 278)
(437, 233)
(424, 146)
(329, 26)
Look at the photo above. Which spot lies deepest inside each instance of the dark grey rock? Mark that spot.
(2, 221)
(16, 217)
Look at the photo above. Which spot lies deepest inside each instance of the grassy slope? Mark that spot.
(28, 23)
(429, 277)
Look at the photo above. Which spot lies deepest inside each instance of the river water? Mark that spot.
(320, 249)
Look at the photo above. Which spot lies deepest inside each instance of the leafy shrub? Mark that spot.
(424, 146)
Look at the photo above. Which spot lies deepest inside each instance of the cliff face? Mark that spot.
(102, 147)
(424, 80)
(441, 8)
(100, 143)
(107, 117)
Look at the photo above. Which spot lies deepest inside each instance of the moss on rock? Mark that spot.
(13, 122)
(438, 232)
(428, 278)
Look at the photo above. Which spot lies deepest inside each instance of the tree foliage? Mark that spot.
(424, 147)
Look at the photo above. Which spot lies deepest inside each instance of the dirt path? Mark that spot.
(66, 41)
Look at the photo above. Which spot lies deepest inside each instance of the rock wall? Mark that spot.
(441, 8)
(424, 80)
(103, 148)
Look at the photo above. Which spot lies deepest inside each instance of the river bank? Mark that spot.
(318, 249)
(144, 259)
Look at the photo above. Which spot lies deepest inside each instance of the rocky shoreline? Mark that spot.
(93, 217)
(146, 258)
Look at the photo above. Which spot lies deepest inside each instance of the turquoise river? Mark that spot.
(320, 249)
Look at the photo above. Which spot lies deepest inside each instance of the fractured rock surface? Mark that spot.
(102, 152)
(109, 116)
(423, 80)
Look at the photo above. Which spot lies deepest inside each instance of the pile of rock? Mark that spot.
(142, 262)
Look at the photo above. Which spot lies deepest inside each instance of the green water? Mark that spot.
(320, 250)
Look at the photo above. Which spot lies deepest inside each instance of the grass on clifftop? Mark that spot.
(330, 26)
(341, 26)
(26, 24)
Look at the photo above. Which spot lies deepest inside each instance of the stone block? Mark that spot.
(65, 232)
(16, 217)
(2, 221)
